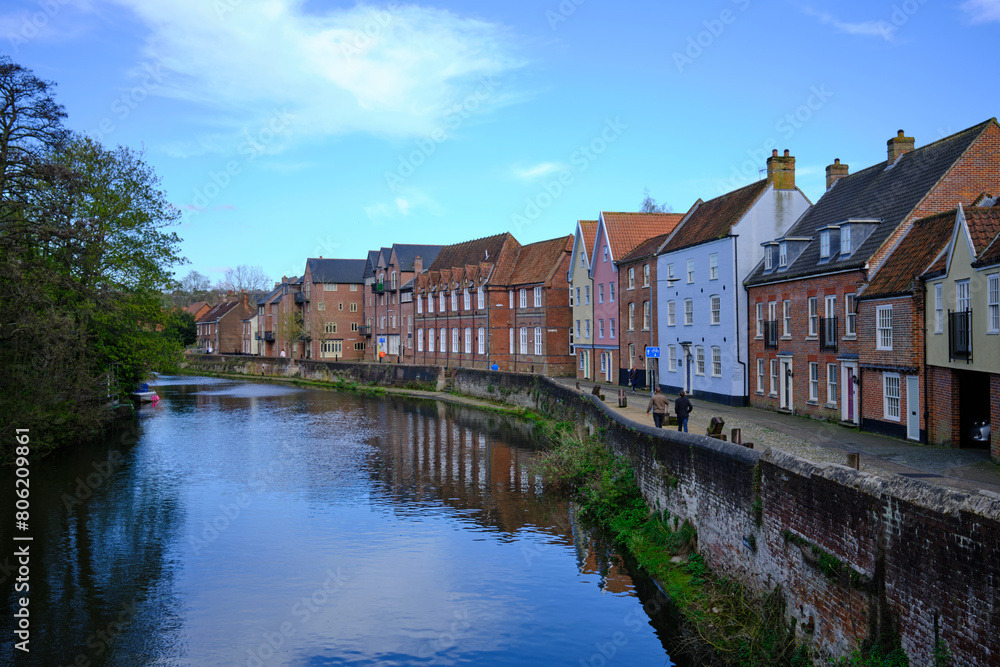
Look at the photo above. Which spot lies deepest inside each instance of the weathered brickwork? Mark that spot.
(943, 413)
(637, 336)
(905, 358)
(995, 417)
(919, 556)
(802, 346)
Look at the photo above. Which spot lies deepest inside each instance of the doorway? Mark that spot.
(973, 404)
(912, 407)
(785, 393)
(849, 392)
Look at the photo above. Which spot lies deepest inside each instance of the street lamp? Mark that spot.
(686, 344)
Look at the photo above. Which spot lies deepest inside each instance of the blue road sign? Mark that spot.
(653, 352)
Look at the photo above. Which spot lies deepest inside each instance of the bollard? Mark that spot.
(854, 460)
(737, 436)
(622, 399)
(578, 385)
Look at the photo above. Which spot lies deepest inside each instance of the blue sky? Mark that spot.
(286, 130)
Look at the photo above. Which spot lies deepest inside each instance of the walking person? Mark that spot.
(631, 378)
(683, 407)
(660, 405)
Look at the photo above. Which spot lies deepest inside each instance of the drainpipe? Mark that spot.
(736, 306)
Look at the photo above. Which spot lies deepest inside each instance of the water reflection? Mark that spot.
(263, 524)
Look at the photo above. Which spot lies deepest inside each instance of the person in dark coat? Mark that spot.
(660, 407)
(631, 378)
(683, 407)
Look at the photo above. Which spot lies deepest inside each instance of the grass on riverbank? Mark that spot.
(741, 628)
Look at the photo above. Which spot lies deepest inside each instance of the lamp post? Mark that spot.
(686, 344)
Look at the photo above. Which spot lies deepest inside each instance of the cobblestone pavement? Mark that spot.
(825, 442)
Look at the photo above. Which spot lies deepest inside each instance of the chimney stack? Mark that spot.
(836, 171)
(781, 170)
(899, 145)
(418, 264)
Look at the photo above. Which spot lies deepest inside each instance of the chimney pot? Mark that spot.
(781, 170)
(899, 145)
(836, 171)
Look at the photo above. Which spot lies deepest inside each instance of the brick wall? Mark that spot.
(916, 555)
(638, 337)
(995, 417)
(800, 345)
(943, 413)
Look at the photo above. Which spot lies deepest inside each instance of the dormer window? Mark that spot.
(782, 254)
(768, 261)
(824, 245)
(845, 240)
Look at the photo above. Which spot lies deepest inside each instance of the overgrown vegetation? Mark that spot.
(84, 258)
(743, 629)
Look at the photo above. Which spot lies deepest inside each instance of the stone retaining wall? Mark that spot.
(850, 550)
(381, 375)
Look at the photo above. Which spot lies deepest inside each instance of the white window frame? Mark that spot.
(814, 381)
(586, 324)
(645, 275)
(522, 298)
(963, 296)
(672, 358)
(480, 298)
(883, 328)
(600, 293)
(538, 341)
(511, 340)
(430, 339)
(715, 302)
(783, 254)
(647, 315)
(688, 312)
(768, 259)
(690, 271)
(538, 297)
(578, 329)
(454, 299)
(939, 308)
(420, 340)
(671, 313)
(631, 277)
(611, 292)
(850, 317)
(759, 318)
(713, 266)
(760, 376)
(670, 271)
(813, 316)
(612, 328)
(993, 303)
(420, 305)
(716, 361)
(699, 360)
(586, 293)
(600, 328)
(443, 347)
(773, 387)
(466, 299)
(786, 318)
(824, 244)
(605, 253)
(891, 397)
(845, 241)
(511, 295)
(441, 303)
(831, 384)
(454, 340)
(523, 347)
(468, 340)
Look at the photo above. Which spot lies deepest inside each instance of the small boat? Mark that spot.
(144, 394)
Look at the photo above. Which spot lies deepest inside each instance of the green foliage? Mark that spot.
(942, 654)
(84, 259)
(879, 655)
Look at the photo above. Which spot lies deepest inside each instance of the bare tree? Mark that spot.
(195, 282)
(649, 204)
(245, 278)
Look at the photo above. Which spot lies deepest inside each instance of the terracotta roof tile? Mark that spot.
(536, 261)
(984, 228)
(497, 253)
(589, 230)
(645, 249)
(714, 218)
(627, 230)
(912, 256)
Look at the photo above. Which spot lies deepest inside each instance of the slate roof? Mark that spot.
(889, 195)
(537, 261)
(406, 253)
(645, 249)
(912, 256)
(337, 270)
(627, 230)
(218, 311)
(714, 219)
(371, 263)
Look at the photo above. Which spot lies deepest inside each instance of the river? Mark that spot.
(240, 523)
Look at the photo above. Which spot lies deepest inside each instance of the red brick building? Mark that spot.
(491, 302)
(804, 344)
(329, 307)
(391, 306)
(273, 312)
(220, 329)
(890, 330)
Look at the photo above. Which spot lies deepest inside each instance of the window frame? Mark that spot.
(690, 271)
(939, 308)
(813, 316)
(883, 327)
(850, 317)
(716, 361)
(713, 266)
(671, 313)
(688, 312)
(699, 360)
(814, 381)
(892, 381)
(832, 386)
(760, 375)
(993, 303)
(715, 309)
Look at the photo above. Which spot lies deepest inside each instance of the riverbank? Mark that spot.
(839, 544)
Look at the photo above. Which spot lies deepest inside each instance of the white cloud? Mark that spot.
(883, 29)
(537, 171)
(404, 204)
(387, 71)
(982, 11)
